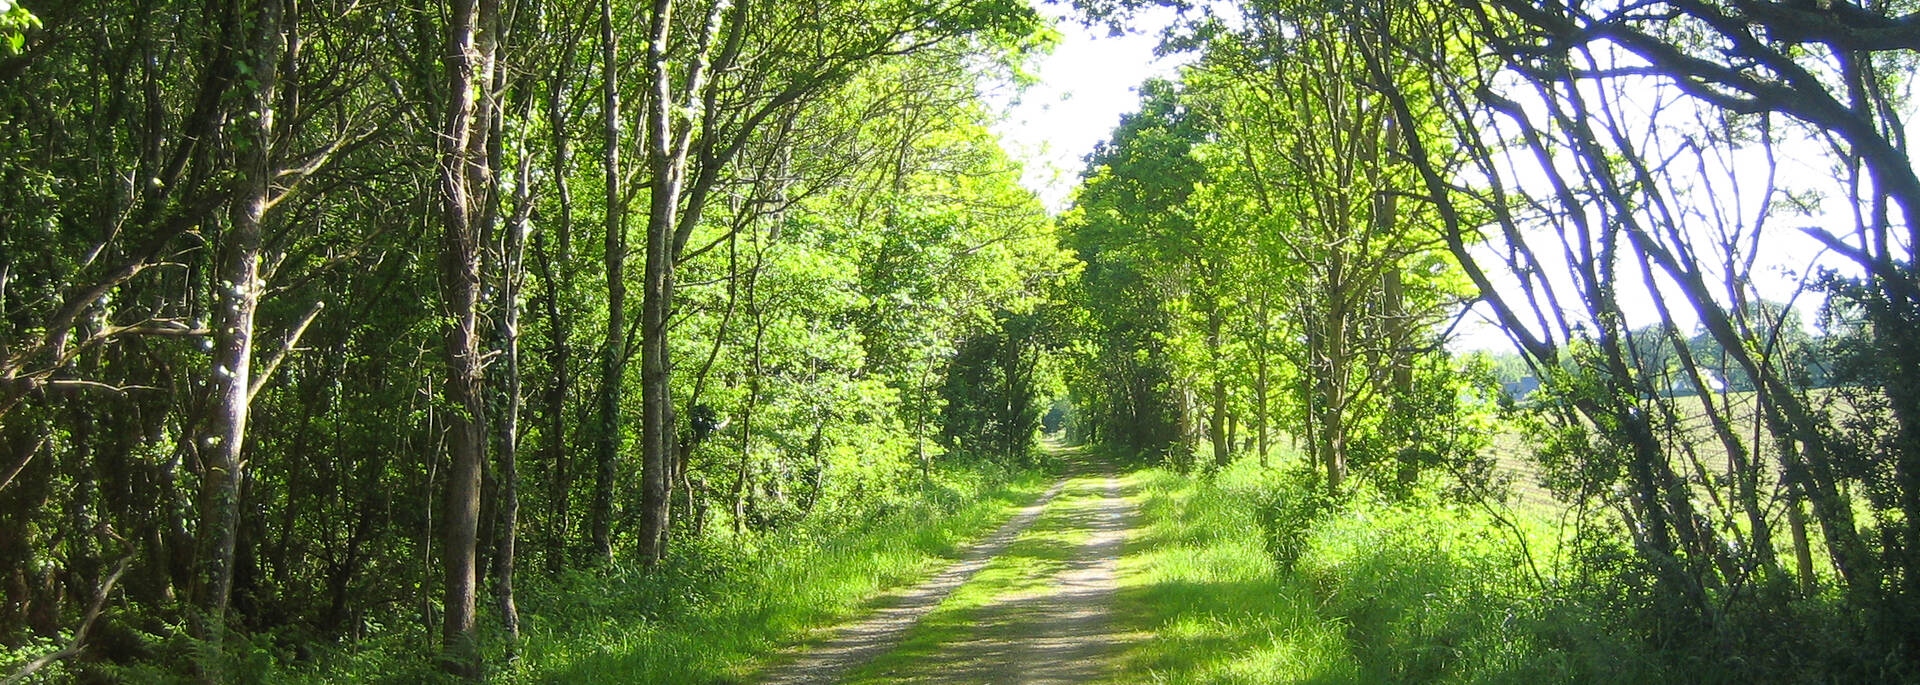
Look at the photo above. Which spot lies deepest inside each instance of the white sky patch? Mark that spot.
(1083, 88)
(1716, 194)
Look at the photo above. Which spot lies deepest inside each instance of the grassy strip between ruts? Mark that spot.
(1416, 591)
(710, 614)
(981, 610)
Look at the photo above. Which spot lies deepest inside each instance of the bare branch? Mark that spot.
(280, 355)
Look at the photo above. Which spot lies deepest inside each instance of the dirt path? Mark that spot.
(1038, 609)
(858, 643)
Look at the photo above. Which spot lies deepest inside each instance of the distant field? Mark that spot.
(1513, 453)
(1513, 461)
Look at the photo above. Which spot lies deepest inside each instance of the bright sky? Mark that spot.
(1726, 187)
(1089, 81)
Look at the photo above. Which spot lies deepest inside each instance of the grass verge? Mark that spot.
(719, 607)
(1240, 577)
(1198, 579)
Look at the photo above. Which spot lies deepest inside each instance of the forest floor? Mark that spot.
(1031, 604)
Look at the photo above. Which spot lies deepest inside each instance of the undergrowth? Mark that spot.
(719, 605)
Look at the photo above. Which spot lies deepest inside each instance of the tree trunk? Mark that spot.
(743, 471)
(668, 228)
(1802, 551)
(1217, 423)
(921, 409)
(1399, 354)
(557, 275)
(465, 188)
(1310, 390)
(667, 166)
(1260, 383)
(1333, 368)
(1396, 325)
(514, 275)
(1233, 431)
(613, 365)
(240, 287)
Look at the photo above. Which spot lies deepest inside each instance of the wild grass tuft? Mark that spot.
(1199, 581)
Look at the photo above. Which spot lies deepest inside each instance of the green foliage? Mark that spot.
(1251, 263)
(1274, 242)
(1129, 225)
(15, 20)
(860, 219)
(1442, 421)
(993, 393)
(1287, 515)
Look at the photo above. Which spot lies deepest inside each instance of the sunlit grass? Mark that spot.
(1198, 580)
(793, 587)
(1381, 592)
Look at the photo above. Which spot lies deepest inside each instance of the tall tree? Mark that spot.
(739, 66)
(1315, 149)
(1134, 202)
(613, 363)
(241, 287)
(1538, 114)
(186, 179)
(467, 197)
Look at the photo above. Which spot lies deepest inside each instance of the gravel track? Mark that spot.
(1061, 631)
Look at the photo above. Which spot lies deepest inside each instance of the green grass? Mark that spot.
(716, 611)
(793, 587)
(1199, 582)
(1417, 591)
